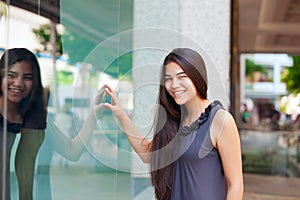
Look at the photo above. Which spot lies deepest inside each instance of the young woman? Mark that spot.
(23, 108)
(21, 95)
(195, 152)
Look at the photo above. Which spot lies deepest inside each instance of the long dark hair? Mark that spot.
(34, 102)
(194, 66)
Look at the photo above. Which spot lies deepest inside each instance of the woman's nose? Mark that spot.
(175, 83)
(18, 81)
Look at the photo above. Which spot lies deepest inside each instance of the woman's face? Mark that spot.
(19, 82)
(178, 84)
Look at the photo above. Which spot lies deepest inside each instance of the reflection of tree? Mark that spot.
(252, 68)
(65, 77)
(43, 34)
(50, 41)
(292, 76)
(3, 10)
(76, 47)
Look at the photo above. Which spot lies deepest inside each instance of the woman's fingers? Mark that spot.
(109, 88)
(112, 94)
(108, 106)
(99, 101)
(99, 106)
(115, 105)
(100, 97)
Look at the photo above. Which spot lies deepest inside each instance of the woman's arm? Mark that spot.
(140, 145)
(73, 148)
(227, 141)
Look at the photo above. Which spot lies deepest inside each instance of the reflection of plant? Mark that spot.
(64, 77)
(3, 10)
(292, 76)
(252, 67)
(43, 34)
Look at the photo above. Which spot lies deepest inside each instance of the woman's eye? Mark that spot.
(182, 76)
(28, 77)
(168, 79)
(11, 75)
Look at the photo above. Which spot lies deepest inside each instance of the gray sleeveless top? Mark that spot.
(198, 173)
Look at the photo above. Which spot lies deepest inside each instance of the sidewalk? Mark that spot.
(264, 187)
(257, 187)
(69, 184)
(106, 186)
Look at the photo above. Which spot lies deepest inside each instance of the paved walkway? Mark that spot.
(264, 187)
(69, 184)
(257, 187)
(91, 183)
(279, 151)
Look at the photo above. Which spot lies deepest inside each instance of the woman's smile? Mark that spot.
(178, 84)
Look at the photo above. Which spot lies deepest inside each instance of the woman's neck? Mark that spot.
(194, 110)
(13, 114)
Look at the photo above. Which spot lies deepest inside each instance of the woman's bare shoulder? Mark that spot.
(223, 122)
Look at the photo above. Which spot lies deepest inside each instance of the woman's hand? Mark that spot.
(136, 140)
(115, 106)
(99, 101)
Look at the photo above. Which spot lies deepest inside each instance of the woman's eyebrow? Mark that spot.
(179, 73)
(12, 72)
